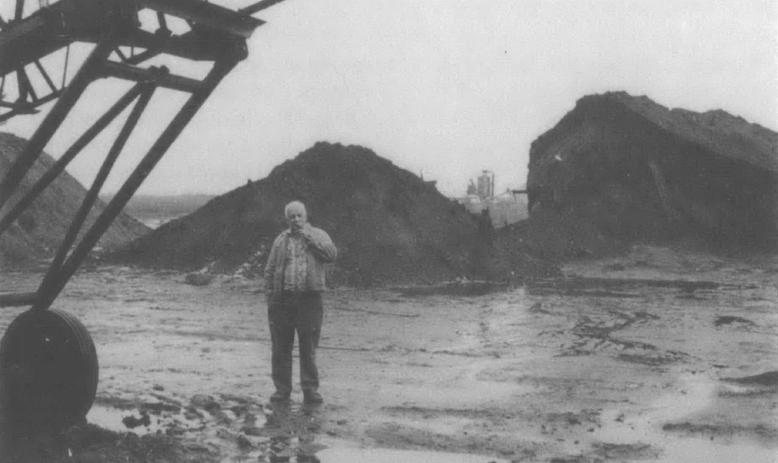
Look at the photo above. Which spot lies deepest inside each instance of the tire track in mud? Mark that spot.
(594, 335)
(594, 332)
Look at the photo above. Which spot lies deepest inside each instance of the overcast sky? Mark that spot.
(443, 87)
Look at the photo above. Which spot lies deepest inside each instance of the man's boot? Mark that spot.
(279, 396)
(310, 396)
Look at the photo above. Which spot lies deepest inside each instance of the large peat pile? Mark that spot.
(39, 230)
(620, 169)
(389, 225)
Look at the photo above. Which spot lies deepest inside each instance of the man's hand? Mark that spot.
(305, 233)
(318, 243)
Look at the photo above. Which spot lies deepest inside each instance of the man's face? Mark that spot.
(296, 219)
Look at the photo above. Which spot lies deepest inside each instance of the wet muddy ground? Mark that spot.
(662, 355)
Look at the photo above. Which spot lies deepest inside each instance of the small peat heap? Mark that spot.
(39, 230)
(389, 225)
(619, 169)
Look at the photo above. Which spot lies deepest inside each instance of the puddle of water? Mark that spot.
(608, 287)
(112, 420)
(703, 450)
(153, 421)
(688, 449)
(456, 288)
(393, 456)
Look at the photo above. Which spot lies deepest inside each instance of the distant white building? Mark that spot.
(504, 209)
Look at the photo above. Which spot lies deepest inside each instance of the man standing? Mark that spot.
(294, 280)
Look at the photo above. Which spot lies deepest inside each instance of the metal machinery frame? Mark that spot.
(216, 34)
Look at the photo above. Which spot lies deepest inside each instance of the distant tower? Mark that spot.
(471, 189)
(486, 185)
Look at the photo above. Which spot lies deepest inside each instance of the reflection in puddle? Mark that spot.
(293, 430)
(116, 420)
(623, 287)
(393, 456)
(142, 422)
(688, 449)
(163, 418)
(455, 288)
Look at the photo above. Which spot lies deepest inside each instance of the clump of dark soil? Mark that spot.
(39, 230)
(619, 169)
(730, 319)
(769, 379)
(389, 225)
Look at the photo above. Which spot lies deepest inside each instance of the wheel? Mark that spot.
(49, 371)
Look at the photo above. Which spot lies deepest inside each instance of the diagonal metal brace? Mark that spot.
(97, 184)
(53, 120)
(53, 286)
(61, 163)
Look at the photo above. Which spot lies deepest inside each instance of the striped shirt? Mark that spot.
(296, 265)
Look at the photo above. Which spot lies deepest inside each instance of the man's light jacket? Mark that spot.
(320, 251)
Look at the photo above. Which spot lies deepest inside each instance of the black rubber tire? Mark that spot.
(49, 371)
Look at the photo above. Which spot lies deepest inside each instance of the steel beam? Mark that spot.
(50, 28)
(46, 77)
(53, 120)
(49, 293)
(214, 16)
(198, 45)
(64, 160)
(217, 34)
(25, 41)
(91, 195)
(19, 9)
(18, 299)
(128, 72)
(259, 6)
(26, 107)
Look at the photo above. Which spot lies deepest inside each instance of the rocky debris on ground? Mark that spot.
(39, 230)
(732, 320)
(619, 169)
(202, 277)
(198, 279)
(223, 428)
(207, 428)
(389, 225)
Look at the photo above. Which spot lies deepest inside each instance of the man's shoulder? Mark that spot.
(318, 231)
(281, 236)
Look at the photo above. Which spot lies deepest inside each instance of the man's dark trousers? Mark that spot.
(288, 312)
